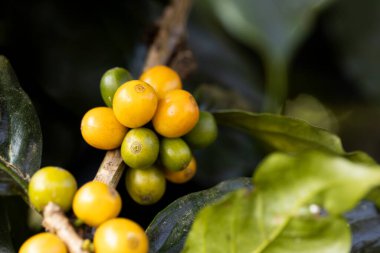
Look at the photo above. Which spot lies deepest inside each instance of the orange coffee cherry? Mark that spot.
(177, 113)
(101, 129)
(182, 176)
(163, 79)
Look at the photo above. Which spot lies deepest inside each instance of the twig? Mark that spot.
(183, 61)
(56, 222)
(171, 32)
(111, 169)
(172, 28)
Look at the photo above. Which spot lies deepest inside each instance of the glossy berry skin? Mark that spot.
(52, 184)
(43, 243)
(101, 129)
(182, 176)
(163, 79)
(177, 113)
(96, 202)
(135, 103)
(120, 235)
(140, 148)
(175, 154)
(110, 81)
(146, 186)
(204, 133)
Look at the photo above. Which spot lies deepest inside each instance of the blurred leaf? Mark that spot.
(168, 230)
(284, 134)
(20, 133)
(235, 69)
(275, 28)
(310, 109)
(281, 132)
(296, 206)
(354, 27)
(360, 157)
(213, 97)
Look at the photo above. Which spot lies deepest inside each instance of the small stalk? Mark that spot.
(111, 169)
(276, 85)
(56, 222)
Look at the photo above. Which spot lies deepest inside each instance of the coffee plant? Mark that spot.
(190, 126)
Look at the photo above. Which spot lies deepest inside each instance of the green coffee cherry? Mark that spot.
(175, 154)
(140, 148)
(52, 184)
(111, 80)
(204, 133)
(146, 186)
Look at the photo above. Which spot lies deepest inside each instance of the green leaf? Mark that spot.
(296, 206)
(291, 135)
(168, 230)
(280, 132)
(20, 132)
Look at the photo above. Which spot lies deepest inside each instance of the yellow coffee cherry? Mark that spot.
(101, 129)
(52, 184)
(134, 103)
(96, 202)
(43, 243)
(120, 235)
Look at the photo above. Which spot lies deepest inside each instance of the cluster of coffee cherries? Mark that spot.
(95, 204)
(155, 123)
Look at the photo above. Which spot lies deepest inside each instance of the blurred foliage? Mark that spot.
(281, 133)
(310, 109)
(296, 206)
(274, 29)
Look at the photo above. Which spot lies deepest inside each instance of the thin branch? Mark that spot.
(111, 169)
(172, 28)
(55, 221)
